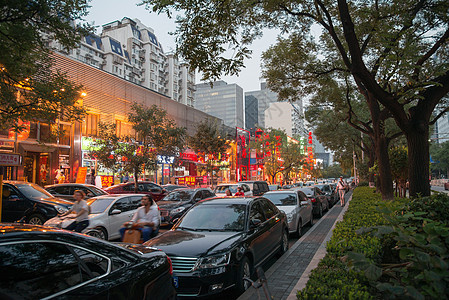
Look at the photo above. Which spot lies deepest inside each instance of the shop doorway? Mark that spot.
(36, 168)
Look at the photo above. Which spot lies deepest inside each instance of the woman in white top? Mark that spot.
(82, 212)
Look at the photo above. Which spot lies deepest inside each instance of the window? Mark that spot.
(135, 202)
(152, 188)
(122, 205)
(123, 129)
(63, 190)
(90, 125)
(38, 270)
(256, 212)
(269, 209)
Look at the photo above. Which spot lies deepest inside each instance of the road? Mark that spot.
(438, 189)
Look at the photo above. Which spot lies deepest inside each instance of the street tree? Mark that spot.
(210, 145)
(394, 51)
(30, 88)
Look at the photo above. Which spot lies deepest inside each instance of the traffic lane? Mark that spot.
(439, 189)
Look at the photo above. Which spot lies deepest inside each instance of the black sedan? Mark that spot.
(30, 203)
(331, 193)
(319, 200)
(66, 190)
(175, 204)
(220, 241)
(42, 262)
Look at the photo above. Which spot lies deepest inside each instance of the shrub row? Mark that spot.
(398, 249)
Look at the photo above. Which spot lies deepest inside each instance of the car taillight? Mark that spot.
(312, 199)
(171, 265)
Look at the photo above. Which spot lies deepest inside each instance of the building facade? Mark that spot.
(130, 50)
(441, 129)
(284, 116)
(264, 97)
(222, 100)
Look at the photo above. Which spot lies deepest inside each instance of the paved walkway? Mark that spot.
(291, 271)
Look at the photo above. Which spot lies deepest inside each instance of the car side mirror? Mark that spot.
(116, 212)
(254, 223)
(304, 203)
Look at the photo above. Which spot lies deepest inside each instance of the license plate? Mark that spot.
(175, 281)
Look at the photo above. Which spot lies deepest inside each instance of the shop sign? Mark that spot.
(253, 167)
(10, 159)
(7, 144)
(181, 180)
(81, 176)
(107, 180)
(190, 180)
(189, 156)
(162, 159)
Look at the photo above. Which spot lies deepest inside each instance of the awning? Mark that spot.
(37, 147)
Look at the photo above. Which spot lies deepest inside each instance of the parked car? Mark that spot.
(171, 187)
(30, 203)
(274, 187)
(66, 190)
(220, 241)
(257, 187)
(296, 206)
(107, 215)
(331, 193)
(175, 204)
(319, 200)
(143, 187)
(41, 262)
(446, 185)
(220, 190)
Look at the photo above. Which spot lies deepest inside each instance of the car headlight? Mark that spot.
(61, 209)
(290, 217)
(214, 261)
(177, 210)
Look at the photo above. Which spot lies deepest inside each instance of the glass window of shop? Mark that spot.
(90, 125)
(123, 129)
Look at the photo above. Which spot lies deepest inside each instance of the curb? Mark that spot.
(320, 253)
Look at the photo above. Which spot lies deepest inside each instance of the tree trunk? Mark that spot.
(418, 161)
(381, 149)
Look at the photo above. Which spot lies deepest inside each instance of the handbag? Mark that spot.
(132, 236)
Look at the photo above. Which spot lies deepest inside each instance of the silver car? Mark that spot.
(107, 215)
(296, 206)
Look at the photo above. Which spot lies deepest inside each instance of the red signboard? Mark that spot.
(81, 176)
(189, 156)
(253, 167)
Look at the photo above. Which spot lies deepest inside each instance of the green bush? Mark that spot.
(332, 279)
(363, 183)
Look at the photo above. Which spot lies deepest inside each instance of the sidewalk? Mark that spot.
(290, 273)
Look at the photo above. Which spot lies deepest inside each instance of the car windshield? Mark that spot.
(282, 199)
(273, 187)
(33, 191)
(308, 192)
(98, 191)
(99, 205)
(215, 217)
(222, 189)
(179, 196)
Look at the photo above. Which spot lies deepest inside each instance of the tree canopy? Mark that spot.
(26, 29)
(394, 52)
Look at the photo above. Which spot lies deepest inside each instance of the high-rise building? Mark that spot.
(251, 112)
(284, 115)
(441, 129)
(130, 50)
(222, 100)
(264, 97)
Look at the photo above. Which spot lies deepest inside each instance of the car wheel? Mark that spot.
(245, 271)
(299, 229)
(284, 243)
(36, 219)
(311, 219)
(98, 233)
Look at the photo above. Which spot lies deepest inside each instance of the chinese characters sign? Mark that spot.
(10, 159)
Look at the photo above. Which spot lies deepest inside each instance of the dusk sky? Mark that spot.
(105, 11)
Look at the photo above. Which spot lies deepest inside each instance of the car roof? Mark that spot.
(17, 182)
(190, 189)
(18, 227)
(70, 184)
(118, 195)
(281, 191)
(228, 200)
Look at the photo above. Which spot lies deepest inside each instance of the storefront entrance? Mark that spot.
(36, 168)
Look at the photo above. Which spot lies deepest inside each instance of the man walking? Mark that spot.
(341, 187)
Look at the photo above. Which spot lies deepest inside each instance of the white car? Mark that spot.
(220, 190)
(107, 215)
(296, 206)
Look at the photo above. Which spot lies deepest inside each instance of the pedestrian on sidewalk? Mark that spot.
(341, 187)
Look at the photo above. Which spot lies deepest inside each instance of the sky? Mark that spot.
(105, 11)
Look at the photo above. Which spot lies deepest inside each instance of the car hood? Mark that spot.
(195, 243)
(138, 248)
(170, 204)
(56, 201)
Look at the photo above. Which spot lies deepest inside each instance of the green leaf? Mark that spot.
(414, 293)
(373, 272)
